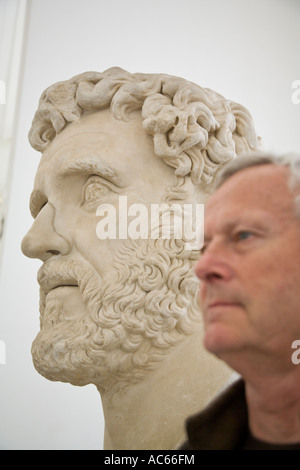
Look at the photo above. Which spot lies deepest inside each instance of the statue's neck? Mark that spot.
(152, 413)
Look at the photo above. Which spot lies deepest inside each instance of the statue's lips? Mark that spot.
(50, 281)
(62, 285)
(52, 288)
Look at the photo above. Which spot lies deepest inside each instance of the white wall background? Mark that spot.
(248, 50)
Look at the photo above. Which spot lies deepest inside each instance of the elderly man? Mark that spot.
(118, 311)
(249, 293)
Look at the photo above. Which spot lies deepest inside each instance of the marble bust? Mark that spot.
(121, 312)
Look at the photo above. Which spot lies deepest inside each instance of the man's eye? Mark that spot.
(243, 235)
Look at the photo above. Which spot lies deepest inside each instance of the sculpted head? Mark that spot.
(111, 308)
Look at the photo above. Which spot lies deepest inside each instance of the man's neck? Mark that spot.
(152, 413)
(274, 407)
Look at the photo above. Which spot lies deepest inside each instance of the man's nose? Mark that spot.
(214, 265)
(42, 241)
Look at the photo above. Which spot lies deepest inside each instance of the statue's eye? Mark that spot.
(96, 189)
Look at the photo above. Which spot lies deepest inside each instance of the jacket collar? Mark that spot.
(223, 423)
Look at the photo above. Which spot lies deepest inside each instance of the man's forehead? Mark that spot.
(262, 187)
(248, 183)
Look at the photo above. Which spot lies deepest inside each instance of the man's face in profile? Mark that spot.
(249, 269)
(87, 283)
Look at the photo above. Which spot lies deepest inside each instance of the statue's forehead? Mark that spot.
(86, 152)
(65, 146)
(95, 131)
(123, 144)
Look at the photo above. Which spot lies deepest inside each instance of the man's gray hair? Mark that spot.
(289, 160)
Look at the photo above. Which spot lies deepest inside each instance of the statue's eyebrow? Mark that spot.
(37, 200)
(88, 166)
(92, 165)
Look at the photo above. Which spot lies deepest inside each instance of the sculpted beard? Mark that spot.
(130, 320)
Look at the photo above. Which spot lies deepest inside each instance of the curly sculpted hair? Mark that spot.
(195, 130)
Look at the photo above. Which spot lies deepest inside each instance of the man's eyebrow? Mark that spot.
(93, 166)
(247, 220)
